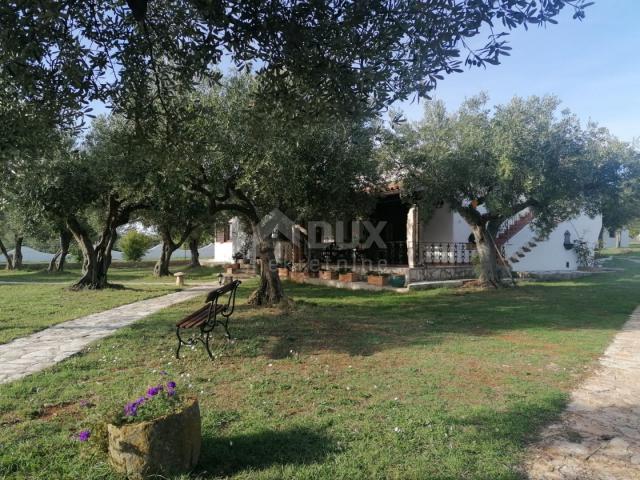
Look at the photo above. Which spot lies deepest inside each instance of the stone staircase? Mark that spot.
(513, 226)
(526, 248)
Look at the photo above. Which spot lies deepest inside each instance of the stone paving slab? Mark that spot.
(45, 348)
(598, 436)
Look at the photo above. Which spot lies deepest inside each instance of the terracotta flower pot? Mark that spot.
(349, 277)
(377, 280)
(283, 273)
(168, 445)
(328, 275)
(297, 276)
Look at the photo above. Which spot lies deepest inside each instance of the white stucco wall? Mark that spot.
(610, 242)
(461, 229)
(626, 238)
(550, 254)
(223, 252)
(439, 228)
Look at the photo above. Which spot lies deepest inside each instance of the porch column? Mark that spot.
(413, 225)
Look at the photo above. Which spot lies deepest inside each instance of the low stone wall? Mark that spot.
(417, 274)
(439, 273)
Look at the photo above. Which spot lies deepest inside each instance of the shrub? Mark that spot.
(134, 245)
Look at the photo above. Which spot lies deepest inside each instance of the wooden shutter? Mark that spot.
(220, 233)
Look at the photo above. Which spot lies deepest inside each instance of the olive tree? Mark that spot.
(490, 164)
(345, 56)
(97, 188)
(250, 160)
(614, 181)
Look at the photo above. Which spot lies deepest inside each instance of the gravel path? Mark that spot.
(598, 436)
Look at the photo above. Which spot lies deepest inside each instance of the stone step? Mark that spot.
(526, 249)
(514, 260)
(520, 254)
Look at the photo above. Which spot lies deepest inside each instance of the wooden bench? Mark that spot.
(217, 310)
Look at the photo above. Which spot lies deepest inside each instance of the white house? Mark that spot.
(229, 240)
(435, 248)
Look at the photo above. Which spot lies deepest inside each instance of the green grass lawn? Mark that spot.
(442, 384)
(117, 274)
(30, 306)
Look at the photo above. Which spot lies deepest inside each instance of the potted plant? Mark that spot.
(311, 274)
(297, 276)
(283, 271)
(328, 275)
(348, 276)
(397, 281)
(156, 434)
(298, 272)
(378, 279)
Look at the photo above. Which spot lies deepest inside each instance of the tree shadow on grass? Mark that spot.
(364, 323)
(360, 323)
(227, 455)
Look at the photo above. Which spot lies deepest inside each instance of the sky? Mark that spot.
(592, 65)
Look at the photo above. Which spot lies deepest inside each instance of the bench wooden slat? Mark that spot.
(198, 317)
(191, 316)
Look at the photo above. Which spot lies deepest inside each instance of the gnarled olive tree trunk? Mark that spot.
(58, 261)
(6, 256)
(97, 258)
(269, 292)
(161, 268)
(195, 255)
(489, 274)
(17, 253)
(485, 229)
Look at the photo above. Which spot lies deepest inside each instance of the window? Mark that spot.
(223, 232)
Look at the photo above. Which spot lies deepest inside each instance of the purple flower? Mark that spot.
(131, 409)
(153, 391)
(83, 436)
(171, 385)
(139, 401)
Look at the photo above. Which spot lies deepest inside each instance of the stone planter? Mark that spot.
(349, 277)
(328, 275)
(283, 273)
(377, 280)
(297, 277)
(168, 445)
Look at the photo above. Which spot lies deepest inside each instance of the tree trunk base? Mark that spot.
(261, 298)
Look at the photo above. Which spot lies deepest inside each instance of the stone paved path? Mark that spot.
(598, 436)
(40, 350)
